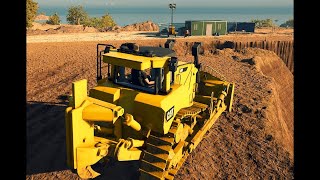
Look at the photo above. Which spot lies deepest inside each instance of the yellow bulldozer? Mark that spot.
(172, 31)
(157, 118)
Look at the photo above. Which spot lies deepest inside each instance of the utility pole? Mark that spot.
(172, 6)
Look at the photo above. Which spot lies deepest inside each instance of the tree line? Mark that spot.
(76, 16)
(269, 23)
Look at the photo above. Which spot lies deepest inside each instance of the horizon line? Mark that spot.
(133, 7)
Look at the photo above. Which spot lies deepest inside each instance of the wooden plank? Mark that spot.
(288, 53)
(260, 44)
(271, 46)
(278, 48)
(290, 57)
(266, 45)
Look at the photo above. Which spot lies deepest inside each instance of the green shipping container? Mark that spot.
(206, 27)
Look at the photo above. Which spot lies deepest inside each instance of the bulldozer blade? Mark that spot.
(87, 172)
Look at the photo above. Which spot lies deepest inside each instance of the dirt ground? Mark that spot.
(254, 141)
(91, 34)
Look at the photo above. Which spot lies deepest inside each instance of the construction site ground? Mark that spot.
(254, 141)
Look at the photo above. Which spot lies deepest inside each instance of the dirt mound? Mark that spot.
(42, 26)
(254, 141)
(116, 28)
(62, 29)
(75, 29)
(143, 26)
(41, 17)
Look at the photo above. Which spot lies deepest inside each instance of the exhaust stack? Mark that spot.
(195, 53)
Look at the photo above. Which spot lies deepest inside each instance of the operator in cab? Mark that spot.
(141, 78)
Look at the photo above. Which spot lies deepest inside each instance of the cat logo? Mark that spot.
(170, 113)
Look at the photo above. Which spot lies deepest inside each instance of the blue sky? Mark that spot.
(164, 3)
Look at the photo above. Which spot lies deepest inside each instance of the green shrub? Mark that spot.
(54, 19)
(263, 23)
(100, 22)
(107, 21)
(77, 15)
(32, 8)
(288, 23)
(92, 22)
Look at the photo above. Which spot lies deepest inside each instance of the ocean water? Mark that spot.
(125, 16)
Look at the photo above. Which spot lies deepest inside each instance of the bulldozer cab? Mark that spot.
(129, 66)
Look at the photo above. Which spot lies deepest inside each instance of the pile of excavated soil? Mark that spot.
(254, 141)
(45, 29)
(143, 26)
(59, 29)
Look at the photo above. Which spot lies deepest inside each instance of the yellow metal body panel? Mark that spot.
(90, 155)
(107, 94)
(80, 93)
(126, 153)
(82, 131)
(213, 84)
(127, 96)
(134, 61)
(103, 111)
(184, 73)
(95, 112)
(135, 143)
(69, 139)
(151, 109)
(205, 88)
